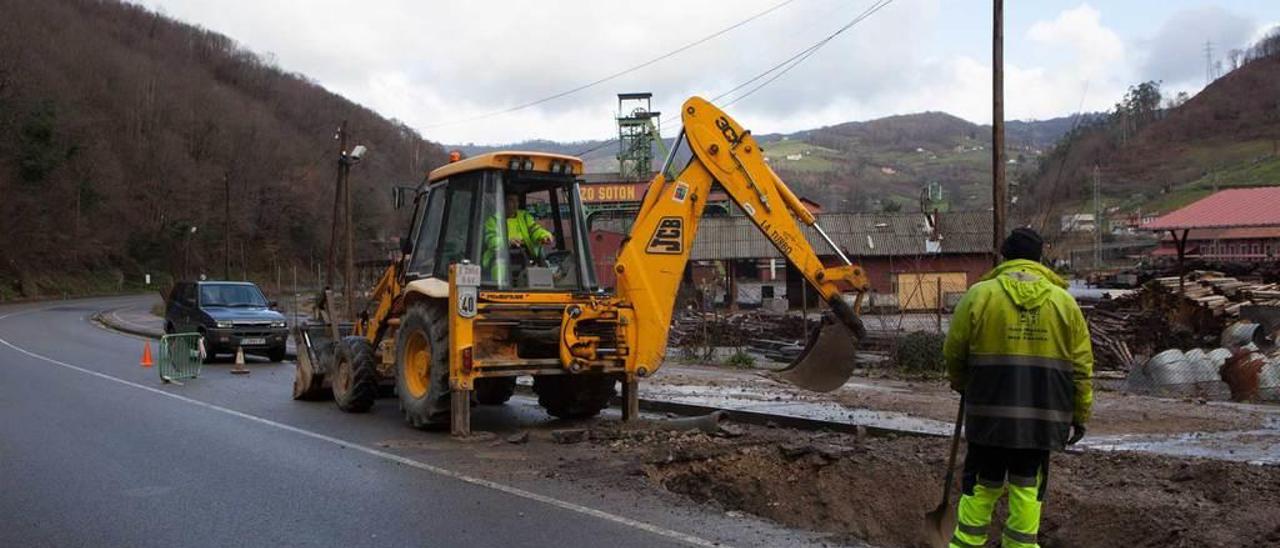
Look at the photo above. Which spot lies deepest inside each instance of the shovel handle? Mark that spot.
(951, 460)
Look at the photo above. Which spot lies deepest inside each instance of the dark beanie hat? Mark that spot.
(1022, 243)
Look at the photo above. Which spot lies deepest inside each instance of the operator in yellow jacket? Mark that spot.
(1019, 352)
(522, 231)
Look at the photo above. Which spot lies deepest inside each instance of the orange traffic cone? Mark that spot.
(146, 355)
(239, 368)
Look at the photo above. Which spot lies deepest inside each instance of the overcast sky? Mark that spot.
(433, 63)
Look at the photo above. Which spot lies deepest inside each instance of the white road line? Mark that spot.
(516, 491)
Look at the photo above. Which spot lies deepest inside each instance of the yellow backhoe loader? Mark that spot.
(485, 292)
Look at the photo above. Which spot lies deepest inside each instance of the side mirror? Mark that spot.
(405, 246)
(273, 304)
(400, 195)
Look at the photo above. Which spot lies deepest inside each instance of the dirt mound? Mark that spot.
(878, 489)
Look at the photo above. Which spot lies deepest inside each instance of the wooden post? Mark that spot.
(332, 265)
(998, 201)
(460, 416)
(731, 293)
(1181, 244)
(630, 399)
(226, 236)
(938, 304)
(349, 272)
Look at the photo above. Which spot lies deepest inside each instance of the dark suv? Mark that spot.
(229, 315)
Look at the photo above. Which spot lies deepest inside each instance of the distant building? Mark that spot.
(1235, 225)
(909, 259)
(1079, 222)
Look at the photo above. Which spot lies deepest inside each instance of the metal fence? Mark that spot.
(181, 355)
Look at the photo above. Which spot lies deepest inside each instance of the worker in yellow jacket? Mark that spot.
(522, 231)
(1018, 350)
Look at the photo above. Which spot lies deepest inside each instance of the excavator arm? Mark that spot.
(652, 260)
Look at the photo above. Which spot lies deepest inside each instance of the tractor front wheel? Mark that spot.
(574, 396)
(495, 390)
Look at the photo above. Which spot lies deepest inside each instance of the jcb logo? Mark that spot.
(668, 239)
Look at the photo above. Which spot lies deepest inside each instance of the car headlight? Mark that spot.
(225, 325)
(277, 324)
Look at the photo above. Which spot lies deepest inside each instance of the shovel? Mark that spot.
(940, 522)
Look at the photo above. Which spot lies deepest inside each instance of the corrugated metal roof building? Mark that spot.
(909, 264)
(859, 234)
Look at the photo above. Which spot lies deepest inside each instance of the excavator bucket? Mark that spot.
(828, 360)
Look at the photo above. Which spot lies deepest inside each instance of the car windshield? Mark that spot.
(231, 295)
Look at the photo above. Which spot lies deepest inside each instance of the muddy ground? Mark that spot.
(876, 489)
(1115, 412)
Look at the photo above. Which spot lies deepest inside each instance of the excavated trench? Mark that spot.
(878, 489)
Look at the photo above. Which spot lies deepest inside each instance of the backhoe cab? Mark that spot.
(497, 282)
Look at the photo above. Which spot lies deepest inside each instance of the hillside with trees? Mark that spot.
(872, 165)
(1155, 153)
(120, 129)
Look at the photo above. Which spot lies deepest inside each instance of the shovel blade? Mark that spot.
(939, 525)
(828, 361)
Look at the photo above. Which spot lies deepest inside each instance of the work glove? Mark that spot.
(958, 385)
(1077, 433)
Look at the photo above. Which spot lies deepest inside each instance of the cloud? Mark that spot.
(1176, 54)
(429, 63)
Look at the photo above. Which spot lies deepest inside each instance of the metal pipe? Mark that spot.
(831, 243)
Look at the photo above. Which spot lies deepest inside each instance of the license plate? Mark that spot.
(253, 341)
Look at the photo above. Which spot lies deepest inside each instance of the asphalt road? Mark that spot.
(95, 451)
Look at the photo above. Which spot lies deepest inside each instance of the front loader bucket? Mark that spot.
(827, 362)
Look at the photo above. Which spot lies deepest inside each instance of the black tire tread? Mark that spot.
(574, 396)
(432, 411)
(495, 390)
(364, 376)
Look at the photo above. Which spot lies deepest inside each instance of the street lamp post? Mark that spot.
(186, 253)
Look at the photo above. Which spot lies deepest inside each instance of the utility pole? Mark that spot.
(997, 131)
(331, 265)
(226, 230)
(349, 273)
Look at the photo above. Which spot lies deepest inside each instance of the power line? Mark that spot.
(789, 63)
(793, 61)
(616, 74)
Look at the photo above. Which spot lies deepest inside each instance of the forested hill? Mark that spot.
(118, 127)
(871, 165)
(1156, 153)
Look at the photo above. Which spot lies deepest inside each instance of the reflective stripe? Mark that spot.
(1015, 412)
(982, 360)
(975, 530)
(990, 483)
(1018, 536)
(1023, 481)
(956, 541)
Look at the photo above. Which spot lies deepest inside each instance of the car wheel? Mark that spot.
(276, 354)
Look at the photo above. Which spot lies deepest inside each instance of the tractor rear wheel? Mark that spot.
(574, 396)
(355, 375)
(422, 366)
(495, 390)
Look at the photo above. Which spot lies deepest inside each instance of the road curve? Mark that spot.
(95, 451)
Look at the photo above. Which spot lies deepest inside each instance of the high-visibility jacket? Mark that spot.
(522, 226)
(1019, 349)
